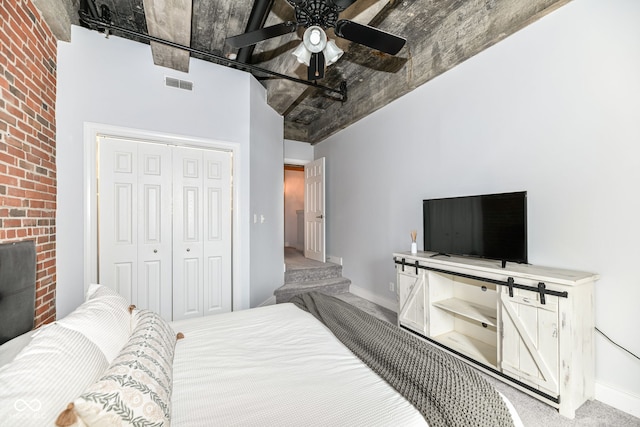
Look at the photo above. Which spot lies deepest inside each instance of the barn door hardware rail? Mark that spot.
(92, 20)
(510, 283)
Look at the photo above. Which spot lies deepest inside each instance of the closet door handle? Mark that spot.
(155, 251)
(188, 250)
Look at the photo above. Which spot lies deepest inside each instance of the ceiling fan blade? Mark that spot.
(343, 4)
(316, 67)
(253, 37)
(369, 36)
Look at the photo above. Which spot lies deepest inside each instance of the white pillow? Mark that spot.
(10, 349)
(93, 287)
(136, 389)
(56, 366)
(104, 318)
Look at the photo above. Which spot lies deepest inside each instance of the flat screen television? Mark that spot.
(490, 226)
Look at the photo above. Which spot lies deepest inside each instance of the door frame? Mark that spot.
(91, 133)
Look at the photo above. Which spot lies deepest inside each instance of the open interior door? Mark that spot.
(314, 216)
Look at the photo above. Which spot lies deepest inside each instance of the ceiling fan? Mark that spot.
(316, 50)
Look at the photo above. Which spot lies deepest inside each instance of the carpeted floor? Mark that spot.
(369, 307)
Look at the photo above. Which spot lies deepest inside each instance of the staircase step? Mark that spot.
(328, 271)
(332, 286)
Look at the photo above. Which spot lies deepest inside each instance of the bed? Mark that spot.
(107, 363)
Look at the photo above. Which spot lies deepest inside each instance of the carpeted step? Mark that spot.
(313, 274)
(332, 286)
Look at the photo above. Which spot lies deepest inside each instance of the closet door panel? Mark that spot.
(148, 288)
(217, 231)
(189, 288)
(118, 210)
(214, 285)
(154, 290)
(187, 233)
(121, 278)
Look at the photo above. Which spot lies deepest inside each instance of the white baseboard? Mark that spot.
(334, 259)
(270, 301)
(368, 295)
(621, 400)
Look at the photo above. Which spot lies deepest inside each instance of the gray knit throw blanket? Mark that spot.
(444, 389)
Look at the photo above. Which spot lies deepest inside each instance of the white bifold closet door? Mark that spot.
(165, 226)
(201, 232)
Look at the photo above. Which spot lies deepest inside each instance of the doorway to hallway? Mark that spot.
(294, 207)
(304, 210)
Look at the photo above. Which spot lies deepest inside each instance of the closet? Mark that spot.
(164, 226)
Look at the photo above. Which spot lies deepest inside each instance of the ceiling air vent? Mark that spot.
(177, 83)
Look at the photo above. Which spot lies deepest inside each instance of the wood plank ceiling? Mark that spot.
(440, 35)
(169, 20)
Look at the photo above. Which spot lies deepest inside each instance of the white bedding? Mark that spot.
(276, 365)
(270, 366)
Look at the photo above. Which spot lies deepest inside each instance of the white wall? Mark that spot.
(297, 153)
(553, 110)
(267, 198)
(114, 82)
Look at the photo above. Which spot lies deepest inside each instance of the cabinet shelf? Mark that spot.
(469, 309)
(477, 350)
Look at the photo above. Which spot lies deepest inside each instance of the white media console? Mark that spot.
(527, 325)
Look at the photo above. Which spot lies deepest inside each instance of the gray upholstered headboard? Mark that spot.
(17, 288)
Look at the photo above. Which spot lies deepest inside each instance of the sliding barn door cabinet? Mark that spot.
(529, 326)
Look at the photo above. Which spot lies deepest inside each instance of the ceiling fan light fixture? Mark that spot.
(314, 39)
(302, 54)
(332, 52)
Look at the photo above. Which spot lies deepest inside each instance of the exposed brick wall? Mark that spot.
(27, 142)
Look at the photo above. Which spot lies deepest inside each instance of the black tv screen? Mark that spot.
(486, 226)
